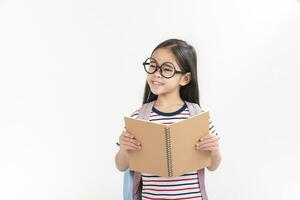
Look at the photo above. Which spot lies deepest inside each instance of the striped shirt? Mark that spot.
(185, 186)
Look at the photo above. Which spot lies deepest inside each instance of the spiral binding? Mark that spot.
(169, 152)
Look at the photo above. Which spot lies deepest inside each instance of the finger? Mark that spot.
(215, 140)
(134, 141)
(130, 145)
(204, 141)
(127, 148)
(207, 147)
(131, 148)
(206, 144)
(206, 137)
(212, 144)
(210, 148)
(126, 134)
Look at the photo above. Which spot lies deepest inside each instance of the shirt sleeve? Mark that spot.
(212, 128)
(135, 114)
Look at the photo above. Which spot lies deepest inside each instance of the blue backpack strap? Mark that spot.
(127, 184)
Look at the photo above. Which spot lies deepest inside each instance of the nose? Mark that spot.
(157, 73)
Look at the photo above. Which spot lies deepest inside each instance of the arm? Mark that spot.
(127, 142)
(121, 160)
(215, 160)
(211, 143)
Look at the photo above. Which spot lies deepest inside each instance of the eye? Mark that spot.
(167, 69)
(152, 65)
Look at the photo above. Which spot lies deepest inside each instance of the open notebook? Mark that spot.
(169, 150)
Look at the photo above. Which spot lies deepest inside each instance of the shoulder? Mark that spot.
(212, 128)
(195, 106)
(142, 108)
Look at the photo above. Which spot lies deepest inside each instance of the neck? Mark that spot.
(168, 100)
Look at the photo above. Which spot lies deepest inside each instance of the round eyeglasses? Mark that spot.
(166, 69)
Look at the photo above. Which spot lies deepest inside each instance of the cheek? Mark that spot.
(170, 85)
(148, 79)
(173, 83)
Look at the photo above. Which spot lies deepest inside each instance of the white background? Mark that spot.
(70, 71)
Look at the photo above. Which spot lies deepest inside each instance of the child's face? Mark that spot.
(160, 85)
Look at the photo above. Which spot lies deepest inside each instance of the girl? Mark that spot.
(171, 83)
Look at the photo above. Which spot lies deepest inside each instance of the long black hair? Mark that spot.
(186, 58)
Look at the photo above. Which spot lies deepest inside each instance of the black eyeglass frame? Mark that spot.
(160, 69)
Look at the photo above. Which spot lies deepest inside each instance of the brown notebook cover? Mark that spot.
(169, 150)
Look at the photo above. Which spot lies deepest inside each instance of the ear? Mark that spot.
(185, 79)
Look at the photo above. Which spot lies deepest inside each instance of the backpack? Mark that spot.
(132, 180)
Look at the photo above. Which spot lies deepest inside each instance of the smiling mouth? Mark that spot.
(156, 83)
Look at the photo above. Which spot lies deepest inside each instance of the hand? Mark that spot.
(128, 142)
(209, 142)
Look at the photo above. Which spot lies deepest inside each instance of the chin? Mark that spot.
(156, 92)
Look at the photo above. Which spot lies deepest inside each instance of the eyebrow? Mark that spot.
(162, 62)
